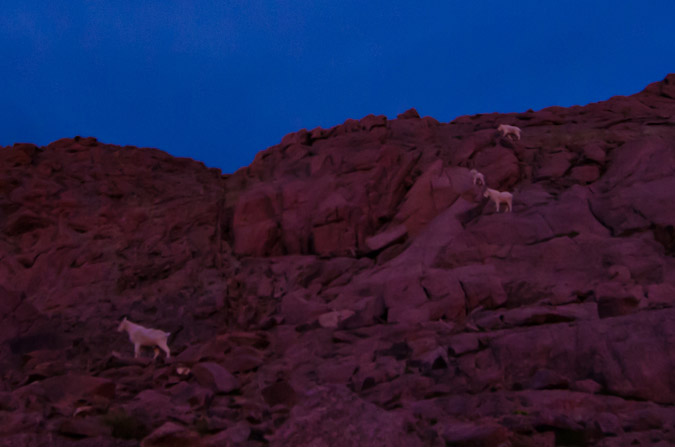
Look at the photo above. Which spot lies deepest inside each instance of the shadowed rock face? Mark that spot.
(350, 287)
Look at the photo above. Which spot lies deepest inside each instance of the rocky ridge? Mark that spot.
(350, 287)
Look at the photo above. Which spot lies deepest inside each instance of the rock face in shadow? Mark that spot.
(352, 286)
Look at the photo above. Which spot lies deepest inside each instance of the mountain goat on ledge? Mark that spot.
(141, 336)
(478, 178)
(506, 130)
(499, 197)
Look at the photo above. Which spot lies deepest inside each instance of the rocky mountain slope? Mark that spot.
(352, 286)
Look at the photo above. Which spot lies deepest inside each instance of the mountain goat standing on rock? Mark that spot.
(478, 178)
(141, 336)
(506, 130)
(499, 197)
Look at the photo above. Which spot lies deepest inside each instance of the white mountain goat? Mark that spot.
(499, 197)
(506, 130)
(141, 336)
(478, 178)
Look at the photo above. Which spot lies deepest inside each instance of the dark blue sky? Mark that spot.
(221, 80)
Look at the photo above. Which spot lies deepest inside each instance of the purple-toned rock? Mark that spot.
(333, 319)
(387, 237)
(84, 428)
(215, 377)
(334, 416)
(585, 174)
(279, 393)
(481, 434)
(235, 435)
(73, 387)
(171, 434)
(409, 114)
(355, 280)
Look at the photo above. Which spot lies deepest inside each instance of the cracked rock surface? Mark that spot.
(352, 286)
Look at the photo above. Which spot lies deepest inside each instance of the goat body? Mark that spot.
(478, 178)
(499, 197)
(142, 336)
(506, 130)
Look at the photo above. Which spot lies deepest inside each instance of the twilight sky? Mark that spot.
(219, 80)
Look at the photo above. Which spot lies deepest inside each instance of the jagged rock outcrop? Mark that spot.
(350, 287)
